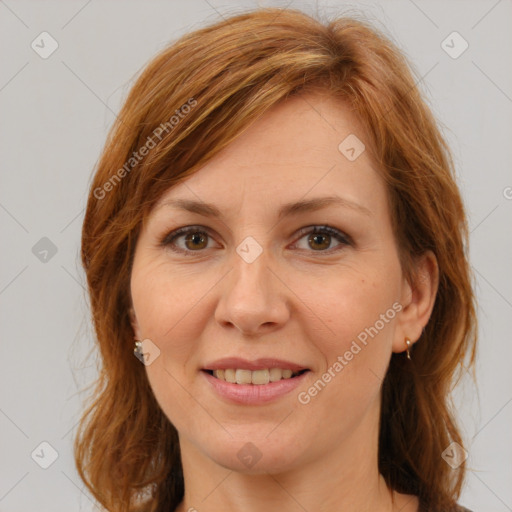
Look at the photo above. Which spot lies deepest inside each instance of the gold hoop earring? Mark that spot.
(409, 344)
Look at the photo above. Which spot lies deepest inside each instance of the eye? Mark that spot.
(194, 239)
(321, 237)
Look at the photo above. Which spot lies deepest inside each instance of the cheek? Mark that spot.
(168, 303)
(356, 312)
(360, 313)
(343, 304)
(354, 305)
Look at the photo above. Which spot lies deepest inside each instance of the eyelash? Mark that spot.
(169, 239)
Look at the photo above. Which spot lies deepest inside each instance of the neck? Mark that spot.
(345, 477)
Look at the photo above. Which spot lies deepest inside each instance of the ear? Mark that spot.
(417, 299)
(135, 324)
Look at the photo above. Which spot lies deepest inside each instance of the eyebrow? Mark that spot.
(286, 210)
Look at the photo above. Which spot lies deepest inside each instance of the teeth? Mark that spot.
(287, 374)
(275, 374)
(260, 377)
(229, 375)
(257, 377)
(243, 376)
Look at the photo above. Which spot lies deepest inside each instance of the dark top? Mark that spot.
(460, 508)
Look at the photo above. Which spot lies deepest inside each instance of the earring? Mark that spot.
(408, 343)
(138, 350)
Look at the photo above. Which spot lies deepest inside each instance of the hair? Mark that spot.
(191, 101)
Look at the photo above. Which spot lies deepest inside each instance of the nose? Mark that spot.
(253, 298)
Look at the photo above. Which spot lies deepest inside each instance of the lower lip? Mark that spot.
(253, 394)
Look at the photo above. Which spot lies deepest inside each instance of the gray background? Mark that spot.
(55, 115)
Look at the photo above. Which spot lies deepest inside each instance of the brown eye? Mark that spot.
(321, 241)
(187, 240)
(196, 240)
(320, 238)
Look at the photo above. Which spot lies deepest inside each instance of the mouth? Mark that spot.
(257, 386)
(254, 377)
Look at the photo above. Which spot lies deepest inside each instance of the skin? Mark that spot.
(301, 300)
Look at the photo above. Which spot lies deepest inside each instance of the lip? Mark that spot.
(251, 394)
(258, 364)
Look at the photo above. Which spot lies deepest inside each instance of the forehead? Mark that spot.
(297, 149)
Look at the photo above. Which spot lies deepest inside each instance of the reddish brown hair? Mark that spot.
(229, 74)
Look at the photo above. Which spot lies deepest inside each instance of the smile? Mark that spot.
(258, 392)
(256, 377)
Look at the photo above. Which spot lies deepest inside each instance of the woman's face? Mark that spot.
(255, 285)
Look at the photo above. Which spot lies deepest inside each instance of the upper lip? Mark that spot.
(257, 364)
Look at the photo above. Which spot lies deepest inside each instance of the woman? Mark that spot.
(275, 224)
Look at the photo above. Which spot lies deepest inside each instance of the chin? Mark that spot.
(267, 464)
(256, 454)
